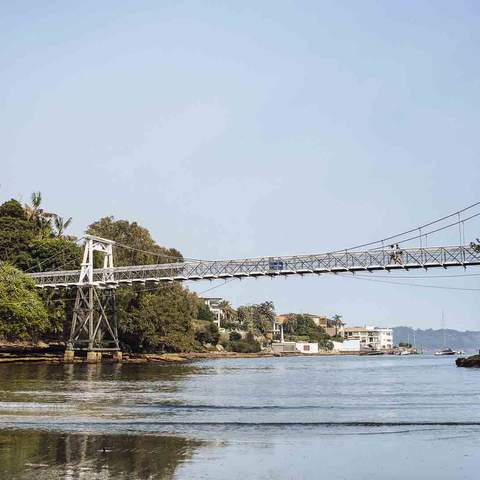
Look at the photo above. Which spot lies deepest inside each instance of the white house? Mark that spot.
(306, 347)
(214, 304)
(295, 347)
(376, 338)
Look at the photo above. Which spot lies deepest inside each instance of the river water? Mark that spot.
(270, 418)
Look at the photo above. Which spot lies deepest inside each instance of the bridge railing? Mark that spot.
(337, 262)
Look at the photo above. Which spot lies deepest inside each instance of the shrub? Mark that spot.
(207, 333)
(235, 336)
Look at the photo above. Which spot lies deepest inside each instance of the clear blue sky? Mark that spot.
(235, 129)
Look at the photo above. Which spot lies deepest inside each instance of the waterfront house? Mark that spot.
(295, 347)
(214, 304)
(375, 338)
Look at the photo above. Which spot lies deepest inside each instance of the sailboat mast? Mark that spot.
(443, 328)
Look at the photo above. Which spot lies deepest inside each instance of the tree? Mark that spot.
(337, 321)
(16, 234)
(238, 344)
(143, 249)
(257, 318)
(41, 219)
(230, 318)
(302, 327)
(61, 225)
(53, 254)
(476, 245)
(22, 313)
(161, 320)
(207, 332)
(204, 313)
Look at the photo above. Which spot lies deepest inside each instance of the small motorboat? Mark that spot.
(445, 351)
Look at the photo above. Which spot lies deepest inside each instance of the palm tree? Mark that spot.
(34, 210)
(41, 219)
(61, 224)
(229, 313)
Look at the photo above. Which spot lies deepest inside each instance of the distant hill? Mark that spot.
(434, 339)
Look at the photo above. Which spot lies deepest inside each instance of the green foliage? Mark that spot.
(257, 318)
(206, 332)
(337, 321)
(135, 236)
(303, 327)
(149, 321)
(22, 313)
(16, 234)
(60, 224)
(204, 313)
(158, 321)
(13, 209)
(405, 345)
(38, 217)
(235, 336)
(230, 317)
(53, 253)
(246, 345)
(241, 346)
(27, 239)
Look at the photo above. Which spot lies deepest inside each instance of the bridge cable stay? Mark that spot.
(445, 227)
(53, 256)
(418, 228)
(158, 255)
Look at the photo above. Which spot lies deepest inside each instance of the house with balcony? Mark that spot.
(215, 306)
(370, 338)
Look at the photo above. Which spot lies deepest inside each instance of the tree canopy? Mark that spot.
(159, 320)
(143, 249)
(302, 327)
(22, 313)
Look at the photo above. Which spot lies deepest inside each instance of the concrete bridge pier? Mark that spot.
(69, 356)
(94, 357)
(117, 356)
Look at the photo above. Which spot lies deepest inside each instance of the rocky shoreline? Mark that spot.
(24, 352)
(468, 362)
(130, 358)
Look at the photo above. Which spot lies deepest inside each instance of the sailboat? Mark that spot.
(445, 350)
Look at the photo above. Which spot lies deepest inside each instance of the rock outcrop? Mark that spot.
(471, 362)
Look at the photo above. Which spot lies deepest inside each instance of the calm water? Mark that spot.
(279, 418)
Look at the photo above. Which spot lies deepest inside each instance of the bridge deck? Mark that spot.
(338, 262)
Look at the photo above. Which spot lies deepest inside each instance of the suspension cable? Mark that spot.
(383, 240)
(51, 257)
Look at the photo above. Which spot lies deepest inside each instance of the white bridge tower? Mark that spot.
(94, 323)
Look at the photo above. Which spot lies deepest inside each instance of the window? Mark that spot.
(306, 348)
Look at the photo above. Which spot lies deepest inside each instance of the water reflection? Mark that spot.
(48, 455)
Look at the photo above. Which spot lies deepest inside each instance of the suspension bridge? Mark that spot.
(94, 324)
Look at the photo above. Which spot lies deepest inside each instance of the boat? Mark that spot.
(445, 351)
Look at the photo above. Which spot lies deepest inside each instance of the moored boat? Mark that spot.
(445, 351)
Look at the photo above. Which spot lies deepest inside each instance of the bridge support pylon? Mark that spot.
(94, 323)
